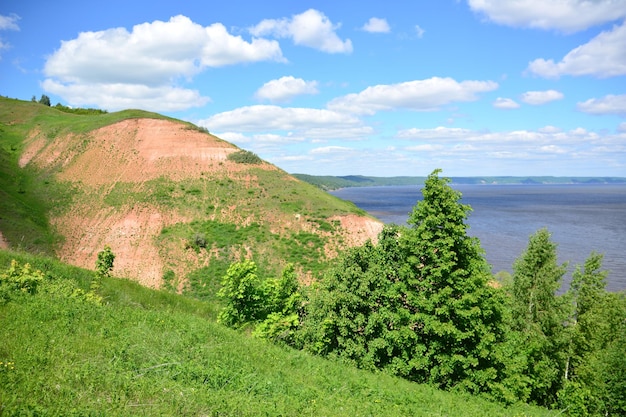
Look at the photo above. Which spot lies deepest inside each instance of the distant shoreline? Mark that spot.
(332, 183)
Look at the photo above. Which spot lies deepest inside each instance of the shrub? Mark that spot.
(245, 157)
(18, 278)
(104, 263)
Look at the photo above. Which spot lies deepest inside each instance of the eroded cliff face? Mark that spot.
(134, 152)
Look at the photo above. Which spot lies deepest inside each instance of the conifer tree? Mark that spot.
(416, 304)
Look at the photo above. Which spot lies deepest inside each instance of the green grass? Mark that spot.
(152, 353)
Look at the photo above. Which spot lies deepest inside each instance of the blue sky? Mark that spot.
(476, 87)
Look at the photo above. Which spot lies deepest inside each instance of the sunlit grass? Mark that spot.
(152, 353)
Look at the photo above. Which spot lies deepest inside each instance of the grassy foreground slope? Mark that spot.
(167, 196)
(151, 353)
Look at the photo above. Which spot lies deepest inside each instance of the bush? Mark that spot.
(104, 264)
(272, 305)
(245, 157)
(20, 279)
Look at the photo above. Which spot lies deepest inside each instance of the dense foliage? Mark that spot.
(421, 304)
(418, 304)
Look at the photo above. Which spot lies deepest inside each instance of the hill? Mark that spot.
(175, 203)
(145, 352)
(328, 182)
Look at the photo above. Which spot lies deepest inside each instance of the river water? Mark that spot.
(581, 219)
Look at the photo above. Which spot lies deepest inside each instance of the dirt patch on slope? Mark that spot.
(360, 229)
(130, 233)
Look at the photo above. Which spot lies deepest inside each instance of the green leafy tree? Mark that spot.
(242, 295)
(45, 100)
(595, 374)
(271, 305)
(282, 304)
(104, 262)
(539, 317)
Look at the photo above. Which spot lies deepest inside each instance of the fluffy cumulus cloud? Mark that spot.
(505, 103)
(610, 104)
(311, 28)
(286, 88)
(376, 25)
(420, 95)
(150, 60)
(564, 15)
(537, 98)
(603, 56)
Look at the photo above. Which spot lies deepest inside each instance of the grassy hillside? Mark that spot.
(176, 209)
(151, 353)
(328, 182)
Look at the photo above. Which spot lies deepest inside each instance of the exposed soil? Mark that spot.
(136, 151)
(361, 229)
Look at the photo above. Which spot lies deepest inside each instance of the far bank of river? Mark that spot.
(581, 218)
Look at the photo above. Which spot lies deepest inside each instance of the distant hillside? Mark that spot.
(176, 204)
(327, 182)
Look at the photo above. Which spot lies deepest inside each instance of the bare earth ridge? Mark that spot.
(136, 151)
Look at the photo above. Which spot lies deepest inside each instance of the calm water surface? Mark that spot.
(581, 218)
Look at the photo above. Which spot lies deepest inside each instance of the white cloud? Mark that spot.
(563, 15)
(603, 56)
(147, 60)
(505, 103)
(529, 139)
(311, 28)
(521, 147)
(286, 88)
(622, 127)
(329, 149)
(537, 98)
(610, 104)
(545, 151)
(119, 96)
(9, 22)
(376, 25)
(268, 118)
(419, 95)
